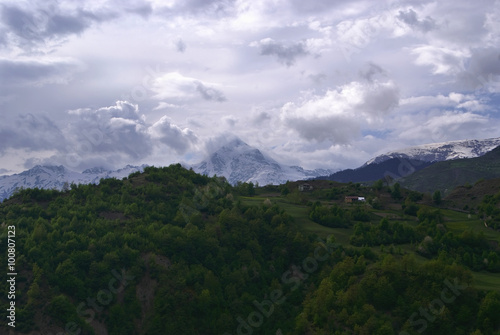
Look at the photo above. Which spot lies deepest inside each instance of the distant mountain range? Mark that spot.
(437, 152)
(54, 177)
(237, 161)
(404, 162)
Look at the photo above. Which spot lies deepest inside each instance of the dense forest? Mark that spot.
(168, 251)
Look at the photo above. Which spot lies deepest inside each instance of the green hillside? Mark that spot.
(168, 251)
(445, 176)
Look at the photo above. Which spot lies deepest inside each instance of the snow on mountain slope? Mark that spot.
(237, 161)
(49, 177)
(436, 152)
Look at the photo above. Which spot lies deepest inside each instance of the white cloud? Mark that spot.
(441, 59)
(339, 114)
(175, 86)
(180, 140)
(355, 77)
(447, 126)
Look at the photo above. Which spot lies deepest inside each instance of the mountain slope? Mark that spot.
(393, 167)
(49, 177)
(239, 162)
(445, 176)
(436, 152)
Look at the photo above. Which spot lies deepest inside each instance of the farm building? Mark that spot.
(305, 187)
(354, 198)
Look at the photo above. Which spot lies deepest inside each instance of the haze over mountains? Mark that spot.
(239, 162)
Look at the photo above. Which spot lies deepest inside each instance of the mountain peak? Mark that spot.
(240, 162)
(236, 142)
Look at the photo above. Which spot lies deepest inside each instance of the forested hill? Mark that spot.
(445, 176)
(168, 251)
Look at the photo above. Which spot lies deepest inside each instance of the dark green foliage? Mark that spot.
(333, 216)
(396, 191)
(436, 197)
(383, 233)
(197, 257)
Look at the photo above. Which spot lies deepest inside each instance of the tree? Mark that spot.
(378, 184)
(396, 191)
(436, 197)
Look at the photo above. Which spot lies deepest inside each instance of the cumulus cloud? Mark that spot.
(286, 54)
(174, 85)
(180, 140)
(339, 114)
(109, 136)
(115, 130)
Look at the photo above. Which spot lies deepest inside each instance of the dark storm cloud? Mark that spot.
(31, 132)
(483, 69)
(211, 9)
(144, 10)
(313, 6)
(30, 27)
(36, 72)
(39, 24)
(209, 93)
(262, 117)
(180, 45)
(286, 54)
(410, 17)
(371, 71)
(318, 78)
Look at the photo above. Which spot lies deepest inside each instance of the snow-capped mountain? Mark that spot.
(237, 161)
(436, 152)
(49, 177)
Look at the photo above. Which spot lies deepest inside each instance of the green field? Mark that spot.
(456, 221)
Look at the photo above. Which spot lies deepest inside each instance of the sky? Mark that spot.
(320, 84)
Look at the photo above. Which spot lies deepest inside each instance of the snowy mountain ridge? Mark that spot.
(436, 152)
(239, 162)
(55, 177)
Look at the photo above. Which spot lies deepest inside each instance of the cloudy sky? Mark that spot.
(318, 83)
